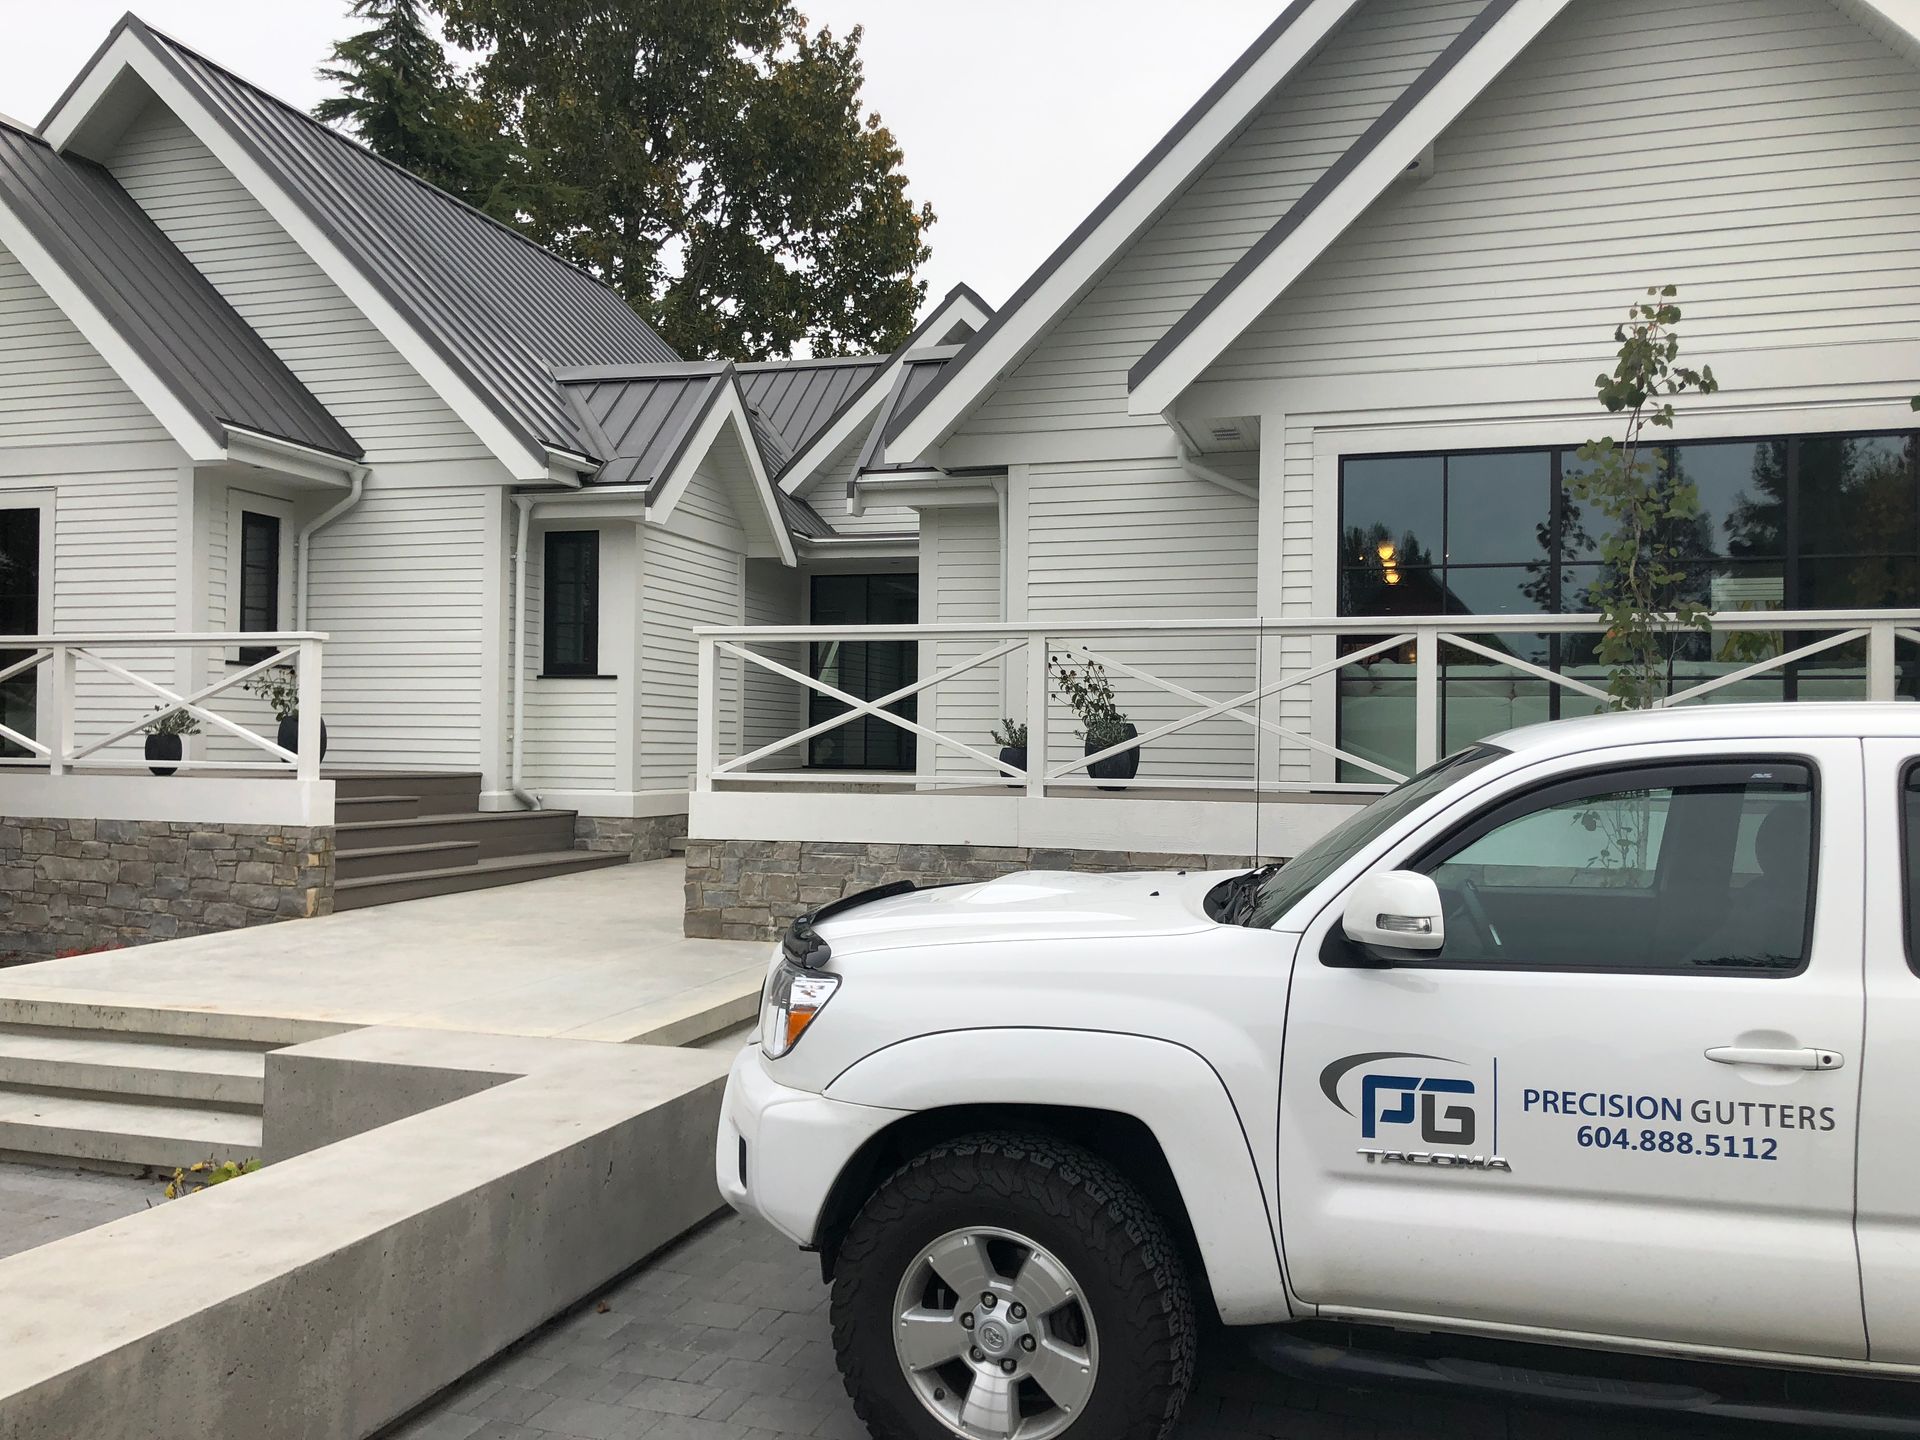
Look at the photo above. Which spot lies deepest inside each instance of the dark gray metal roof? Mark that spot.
(641, 420)
(799, 398)
(917, 377)
(498, 308)
(211, 359)
(802, 519)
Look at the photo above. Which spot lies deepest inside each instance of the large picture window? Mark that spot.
(570, 632)
(867, 669)
(1817, 522)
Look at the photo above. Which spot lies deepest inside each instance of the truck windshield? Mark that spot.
(1340, 844)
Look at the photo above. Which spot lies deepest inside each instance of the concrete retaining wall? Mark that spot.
(70, 885)
(328, 1295)
(752, 889)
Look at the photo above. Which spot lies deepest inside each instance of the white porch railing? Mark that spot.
(74, 731)
(1285, 659)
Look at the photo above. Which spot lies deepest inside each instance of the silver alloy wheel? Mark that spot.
(994, 1336)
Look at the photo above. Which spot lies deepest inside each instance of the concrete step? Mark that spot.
(440, 791)
(497, 833)
(123, 1065)
(66, 1125)
(360, 808)
(509, 870)
(364, 861)
(83, 1014)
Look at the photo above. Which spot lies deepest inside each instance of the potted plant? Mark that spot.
(1102, 725)
(280, 688)
(1011, 736)
(163, 739)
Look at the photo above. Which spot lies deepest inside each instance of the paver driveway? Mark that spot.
(725, 1337)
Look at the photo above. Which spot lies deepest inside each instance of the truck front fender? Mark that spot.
(1170, 1089)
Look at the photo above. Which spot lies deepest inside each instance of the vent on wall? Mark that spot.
(1421, 167)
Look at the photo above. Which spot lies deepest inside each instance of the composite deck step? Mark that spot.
(360, 862)
(144, 1067)
(64, 1126)
(498, 833)
(439, 790)
(360, 808)
(507, 870)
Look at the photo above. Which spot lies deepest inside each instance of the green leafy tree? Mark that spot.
(710, 159)
(1644, 595)
(404, 100)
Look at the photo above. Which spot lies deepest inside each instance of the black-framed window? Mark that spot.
(1910, 858)
(1692, 868)
(19, 615)
(571, 605)
(1796, 522)
(865, 669)
(259, 580)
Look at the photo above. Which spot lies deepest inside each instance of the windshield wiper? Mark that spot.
(1237, 898)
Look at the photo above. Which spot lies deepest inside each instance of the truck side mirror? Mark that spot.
(1395, 911)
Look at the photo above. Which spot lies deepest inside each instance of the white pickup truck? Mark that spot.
(1600, 1036)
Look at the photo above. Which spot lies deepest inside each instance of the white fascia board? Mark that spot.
(128, 53)
(959, 308)
(728, 409)
(1141, 200)
(204, 442)
(1244, 294)
(924, 490)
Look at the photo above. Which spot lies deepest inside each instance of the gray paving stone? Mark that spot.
(726, 1337)
(41, 1203)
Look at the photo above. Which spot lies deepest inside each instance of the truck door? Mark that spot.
(1889, 1221)
(1621, 1100)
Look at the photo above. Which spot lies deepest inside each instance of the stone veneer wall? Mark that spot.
(752, 889)
(649, 838)
(87, 884)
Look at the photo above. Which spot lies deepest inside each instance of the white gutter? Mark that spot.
(524, 505)
(1210, 476)
(357, 487)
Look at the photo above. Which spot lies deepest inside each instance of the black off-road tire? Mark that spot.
(1081, 1209)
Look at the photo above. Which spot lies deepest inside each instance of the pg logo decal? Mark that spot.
(1404, 1105)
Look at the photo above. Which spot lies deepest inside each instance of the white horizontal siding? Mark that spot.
(1076, 378)
(686, 583)
(399, 583)
(960, 549)
(1784, 208)
(279, 290)
(55, 388)
(774, 707)
(1140, 540)
(573, 731)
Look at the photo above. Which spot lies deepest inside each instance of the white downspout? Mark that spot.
(524, 505)
(309, 530)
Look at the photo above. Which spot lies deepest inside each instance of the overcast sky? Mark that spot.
(1017, 116)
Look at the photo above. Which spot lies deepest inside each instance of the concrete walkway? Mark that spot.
(594, 956)
(39, 1203)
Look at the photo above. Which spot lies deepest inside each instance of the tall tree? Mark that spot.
(404, 99)
(709, 159)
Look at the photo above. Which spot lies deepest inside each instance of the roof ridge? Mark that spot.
(394, 166)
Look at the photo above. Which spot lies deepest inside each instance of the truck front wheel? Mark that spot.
(1012, 1287)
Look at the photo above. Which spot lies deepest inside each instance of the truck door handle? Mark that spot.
(1778, 1059)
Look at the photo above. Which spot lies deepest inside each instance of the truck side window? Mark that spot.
(1666, 868)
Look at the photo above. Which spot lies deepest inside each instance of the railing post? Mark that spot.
(1882, 667)
(707, 712)
(1037, 717)
(1426, 698)
(60, 704)
(307, 698)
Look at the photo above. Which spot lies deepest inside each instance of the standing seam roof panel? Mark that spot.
(498, 307)
(198, 345)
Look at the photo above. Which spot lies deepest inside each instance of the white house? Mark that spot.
(1279, 436)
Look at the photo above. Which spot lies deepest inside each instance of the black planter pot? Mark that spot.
(1123, 766)
(289, 736)
(1016, 756)
(163, 747)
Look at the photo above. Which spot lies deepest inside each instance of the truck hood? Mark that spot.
(1031, 905)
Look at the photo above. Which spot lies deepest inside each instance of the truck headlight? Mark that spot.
(794, 998)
